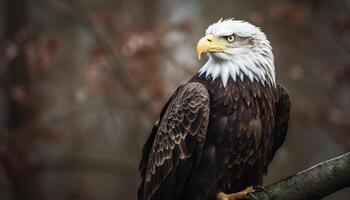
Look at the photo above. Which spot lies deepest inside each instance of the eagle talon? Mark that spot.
(237, 196)
(222, 196)
(259, 187)
(253, 196)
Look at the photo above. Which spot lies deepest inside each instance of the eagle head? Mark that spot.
(237, 49)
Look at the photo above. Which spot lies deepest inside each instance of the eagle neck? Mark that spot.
(261, 70)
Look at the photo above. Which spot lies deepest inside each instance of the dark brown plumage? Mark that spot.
(213, 139)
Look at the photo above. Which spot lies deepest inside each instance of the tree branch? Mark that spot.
(316, 182)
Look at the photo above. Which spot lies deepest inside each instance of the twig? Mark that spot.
(115, 62)
(314, 183)
(78, 11)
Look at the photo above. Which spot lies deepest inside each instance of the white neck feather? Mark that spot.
(256, 67)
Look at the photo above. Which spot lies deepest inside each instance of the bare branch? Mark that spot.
(316, 182)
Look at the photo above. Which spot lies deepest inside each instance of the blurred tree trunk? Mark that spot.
(20, 110)
(149, 11)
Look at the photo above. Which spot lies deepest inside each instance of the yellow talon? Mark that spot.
(235, 196)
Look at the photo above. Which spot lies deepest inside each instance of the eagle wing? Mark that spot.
(281, 120)
(174, 147)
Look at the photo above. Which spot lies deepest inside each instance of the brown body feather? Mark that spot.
(212, 138)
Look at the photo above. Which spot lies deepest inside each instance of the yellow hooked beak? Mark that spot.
(210, 43)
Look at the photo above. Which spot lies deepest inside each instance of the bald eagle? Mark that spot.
(218, 132)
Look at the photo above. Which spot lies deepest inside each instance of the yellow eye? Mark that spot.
(230, 38)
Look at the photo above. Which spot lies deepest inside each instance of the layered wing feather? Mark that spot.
(177, 142)
(281, 120)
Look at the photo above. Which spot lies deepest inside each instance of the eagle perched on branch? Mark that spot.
(218, 132)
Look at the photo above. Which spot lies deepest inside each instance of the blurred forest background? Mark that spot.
(82, 82)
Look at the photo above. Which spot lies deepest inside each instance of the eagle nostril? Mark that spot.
(209, 40)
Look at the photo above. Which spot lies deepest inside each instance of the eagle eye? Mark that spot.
(230, 38)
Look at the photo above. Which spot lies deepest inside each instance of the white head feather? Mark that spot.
(250, 54)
